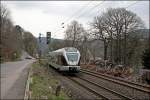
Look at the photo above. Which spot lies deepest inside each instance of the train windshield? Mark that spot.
(72, 56)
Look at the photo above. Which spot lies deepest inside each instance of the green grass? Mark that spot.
(41, 81)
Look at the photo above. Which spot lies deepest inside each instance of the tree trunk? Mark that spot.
(105, 50)
(125, 49)
(117, 50)
(125, 44)
(74, 36)
(149, 40)
(111, 50)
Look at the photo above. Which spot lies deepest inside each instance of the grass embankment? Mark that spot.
(43, 84)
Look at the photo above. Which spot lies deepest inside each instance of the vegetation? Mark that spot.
(113, 28)
(14, 38)
(76, 33)
(120, 31)
(30, 43)
(76, 36)
(43, 85)
(56, 44)
(146, 58)
(9, 49)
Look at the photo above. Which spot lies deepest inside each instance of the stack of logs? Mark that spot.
(145, 74)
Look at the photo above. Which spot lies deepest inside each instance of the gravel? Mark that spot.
(117, 87)
(73, 90)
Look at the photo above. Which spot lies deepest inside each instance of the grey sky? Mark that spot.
(42, 16)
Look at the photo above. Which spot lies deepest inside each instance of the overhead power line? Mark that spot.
(89, 11)
(82, 14)
(131, 4)
(126, 7)
(78, 11)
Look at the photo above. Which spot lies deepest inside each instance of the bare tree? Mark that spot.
(12, 38)
(5, 34)
(114, 26)
(5, 14)
(76, 36)
(100, 32)
(121, 22)
(74, 33)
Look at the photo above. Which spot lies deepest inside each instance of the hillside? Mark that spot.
(142, 33)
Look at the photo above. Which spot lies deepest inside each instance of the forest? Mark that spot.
(14, 39)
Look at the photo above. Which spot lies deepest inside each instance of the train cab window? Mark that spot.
(72, 56)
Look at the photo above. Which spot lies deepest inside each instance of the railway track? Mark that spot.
(137, 84)
(98, 90)
(90, 81)
(93, 89)
(88, 88)
(144, 89)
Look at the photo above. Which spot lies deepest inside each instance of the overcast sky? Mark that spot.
(43, 16)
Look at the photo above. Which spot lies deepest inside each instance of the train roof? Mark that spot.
(66, 49)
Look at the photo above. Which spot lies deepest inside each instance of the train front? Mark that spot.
(72, 56)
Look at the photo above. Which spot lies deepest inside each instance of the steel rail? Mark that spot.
(89, 89)
(138, 84)
(145, 89)
(112, 91)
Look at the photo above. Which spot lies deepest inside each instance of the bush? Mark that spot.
(146, 59)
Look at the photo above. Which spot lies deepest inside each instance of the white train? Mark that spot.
(65, 59)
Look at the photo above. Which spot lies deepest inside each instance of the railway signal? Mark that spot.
(48, 37)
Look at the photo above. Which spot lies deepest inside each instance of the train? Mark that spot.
(65, 59)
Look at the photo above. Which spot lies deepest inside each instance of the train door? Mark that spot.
(63, 60)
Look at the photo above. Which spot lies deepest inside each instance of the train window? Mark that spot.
(72, 56)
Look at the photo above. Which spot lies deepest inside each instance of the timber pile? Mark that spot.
(145, 75)
(117, 71)
(122, 72)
